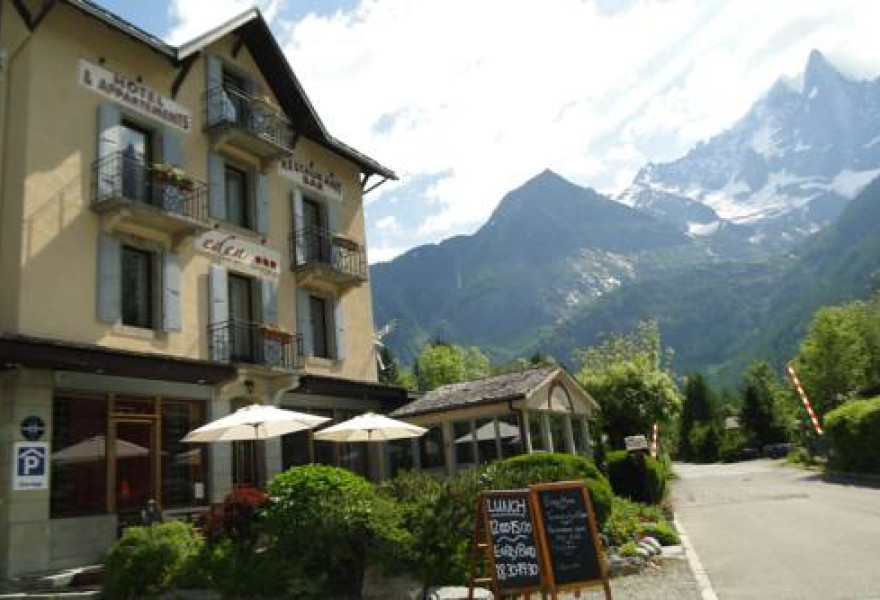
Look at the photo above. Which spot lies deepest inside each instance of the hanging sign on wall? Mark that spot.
(311, 177)
(241, 254)
(134, 95)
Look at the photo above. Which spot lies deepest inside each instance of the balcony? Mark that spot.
(246, 122)
(127, 190)
(318, 253)
(255, 344)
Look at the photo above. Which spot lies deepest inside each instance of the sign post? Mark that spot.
(504, 531)
(30, 466)
(569, 538)
(541, 539)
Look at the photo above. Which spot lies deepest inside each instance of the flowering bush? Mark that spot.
(236, 518)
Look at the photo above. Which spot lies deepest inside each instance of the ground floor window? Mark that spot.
(431, 453)
(113, 453)
(302, 448)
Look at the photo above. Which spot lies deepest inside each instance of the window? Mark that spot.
(320, 324)
(580, 435)
(431, 449)
(557, 422)
(535, 420)
(237, 201)
(136, 144)
(137, 288)
(79, 457)
(183, 465)
(511, 435)
(463, 435)
(487, 450)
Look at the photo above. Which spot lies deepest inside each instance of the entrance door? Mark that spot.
(135, 465)
(242, 316)
(135, 157)
(316, 239)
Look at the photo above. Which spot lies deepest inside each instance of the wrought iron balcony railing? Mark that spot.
(255, 343)
(120, 178)
(315, 247)
(230, 108)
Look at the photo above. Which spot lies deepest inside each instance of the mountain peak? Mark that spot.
(818, 72)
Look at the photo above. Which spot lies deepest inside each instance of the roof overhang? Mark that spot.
(390, 397)
(256, 35)
(17, 351)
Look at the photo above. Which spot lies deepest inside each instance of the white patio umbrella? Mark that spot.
(370, 427)
(95, 448)
(254, 422)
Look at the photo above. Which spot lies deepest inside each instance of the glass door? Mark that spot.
(241, 314)
(135, 160)
(134, 455)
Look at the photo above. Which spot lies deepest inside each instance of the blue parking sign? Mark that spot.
(30, 466)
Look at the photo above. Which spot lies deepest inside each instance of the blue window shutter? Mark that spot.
(261, 201)
(217, 186)
(171, 292)
(218, 312)
(339, 323)
(172, 148)
(269, 296)
(296, 207)
(304, 321)
(332, 216)
(172, 154)
(109, 279)
(213, 85)
(269, 293)
(109, 118)
(110, 171)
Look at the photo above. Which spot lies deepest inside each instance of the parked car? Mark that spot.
(777, 450)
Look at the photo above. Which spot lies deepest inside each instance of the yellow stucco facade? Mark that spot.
(53, 253)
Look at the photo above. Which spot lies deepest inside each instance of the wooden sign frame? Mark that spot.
(482, 540)
(543, 542)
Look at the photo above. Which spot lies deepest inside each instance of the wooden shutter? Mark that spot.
(109, 307)
(213, 85)
(339, 324)
(218, 312)
(217, 186)
(269, 298)
(261, 201)
(110, 170)
(296, 202)
(171, 292)
(304, 321)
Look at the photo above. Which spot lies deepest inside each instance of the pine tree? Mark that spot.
(697, 409)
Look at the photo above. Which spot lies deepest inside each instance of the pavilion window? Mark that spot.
(463, 437)
(431, 449)
(487, 441)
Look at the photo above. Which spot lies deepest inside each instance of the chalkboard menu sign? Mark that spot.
(514, 548)
(570, 534)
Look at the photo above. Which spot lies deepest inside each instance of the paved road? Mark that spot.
(763, 530)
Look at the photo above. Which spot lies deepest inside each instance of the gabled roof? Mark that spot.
(257, 37)
(500, 388)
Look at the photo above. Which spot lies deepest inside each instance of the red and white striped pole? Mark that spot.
(804, 398)
(655, 441)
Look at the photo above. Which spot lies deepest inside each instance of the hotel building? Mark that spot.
(180, 235)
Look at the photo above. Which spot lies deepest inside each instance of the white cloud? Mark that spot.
(388, 223)
(195, 18)
(490, 93)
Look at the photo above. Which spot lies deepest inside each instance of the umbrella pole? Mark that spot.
(256, 462)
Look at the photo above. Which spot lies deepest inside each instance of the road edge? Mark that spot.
(707, 592)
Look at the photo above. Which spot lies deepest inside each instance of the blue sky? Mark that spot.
(467, 99)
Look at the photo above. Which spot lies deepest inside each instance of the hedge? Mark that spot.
(853, 431)
(638, 478)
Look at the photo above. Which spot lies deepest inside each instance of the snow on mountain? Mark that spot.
(785, 169)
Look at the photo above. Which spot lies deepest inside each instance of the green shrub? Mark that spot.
(637, 477)
(705, 442)
(148, 560)
(627, 518)
(733, 442)
(800, 456)
(239, 571)
(329, 523)
(853, 430)
(661, 531)
(545, 467)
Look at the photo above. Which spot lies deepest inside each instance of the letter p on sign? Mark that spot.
(30, 466)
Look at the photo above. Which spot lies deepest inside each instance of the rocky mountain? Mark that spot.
(731, 248)
(549, 248)
(720, 317)
(782, 172)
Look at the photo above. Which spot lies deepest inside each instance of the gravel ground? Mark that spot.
(672, 580)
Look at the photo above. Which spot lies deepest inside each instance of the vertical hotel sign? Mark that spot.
(134, 95)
